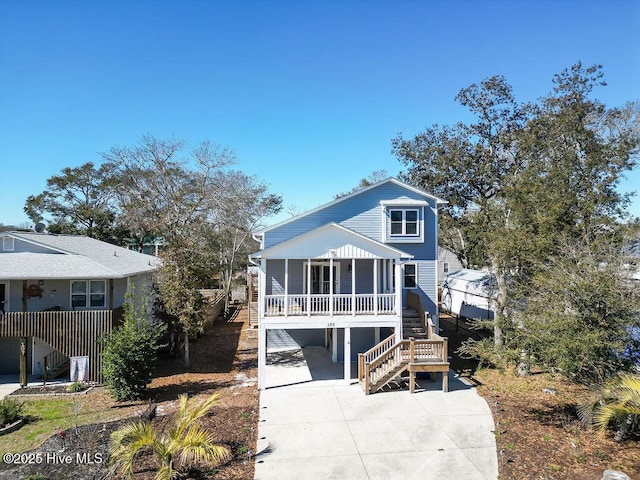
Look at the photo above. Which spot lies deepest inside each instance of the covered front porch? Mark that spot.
(330, 279)
(328, 287)
(330, 271)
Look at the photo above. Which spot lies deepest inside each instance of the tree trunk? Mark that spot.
(498, 317)
(187, 361)
(523, 366)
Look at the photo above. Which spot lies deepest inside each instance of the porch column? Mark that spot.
(262, 284)
(398, 282)
(262, 356)
(385, 289)
(286, 287)
(331, 286)
(375, 286)
(334, 345)
(24, 351)
(376, 338)
(353, 287)
(347, 355)
(308, 287)
(24, 341)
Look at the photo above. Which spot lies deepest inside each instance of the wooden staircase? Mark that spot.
(387, 360)
(53, 365)
(413, 325)
(420, 350)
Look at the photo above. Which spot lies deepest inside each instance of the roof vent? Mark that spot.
(40, 227)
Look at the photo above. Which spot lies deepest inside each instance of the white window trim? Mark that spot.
(402, 238)
(404, 222)
(8, 246)
(404, 275)
(87, 295)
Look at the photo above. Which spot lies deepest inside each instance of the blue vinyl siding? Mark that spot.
(308, 337)
(296, 277)
(297, 273)
(426, 288)
(361, 213)
(362, 339)
(275, 277)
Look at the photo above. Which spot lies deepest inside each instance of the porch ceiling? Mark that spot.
(330, 241)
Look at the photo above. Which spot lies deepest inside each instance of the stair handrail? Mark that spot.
(414, 301)
(369, 368)
(374, 352)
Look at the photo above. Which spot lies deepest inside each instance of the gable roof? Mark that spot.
(393, 180)
(72, 256)
(331, 241)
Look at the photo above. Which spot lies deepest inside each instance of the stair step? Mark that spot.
(414, 329)
(419, 336)
(412, 324)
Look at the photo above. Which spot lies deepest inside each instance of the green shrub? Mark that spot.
(75, 387)
(10, 410)
(131, 354)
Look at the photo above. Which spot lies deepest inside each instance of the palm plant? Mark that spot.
(185, 442)
(618, 403)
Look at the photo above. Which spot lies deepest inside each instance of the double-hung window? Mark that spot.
(88, 294)
(404, 222)
(410, 275)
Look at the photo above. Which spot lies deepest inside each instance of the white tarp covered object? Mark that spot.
(468, 293)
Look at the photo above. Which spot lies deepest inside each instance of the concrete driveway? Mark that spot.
(8, 384)
(325, 429)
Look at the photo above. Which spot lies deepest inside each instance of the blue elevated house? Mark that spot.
(344, 274)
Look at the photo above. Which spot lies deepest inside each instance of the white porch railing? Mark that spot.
(338, 304)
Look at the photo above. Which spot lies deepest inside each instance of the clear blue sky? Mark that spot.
(308, 93)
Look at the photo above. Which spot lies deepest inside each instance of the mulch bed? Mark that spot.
(48, 390)
(223, 361)
(538, 433)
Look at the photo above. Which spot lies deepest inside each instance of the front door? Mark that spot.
(321, 279)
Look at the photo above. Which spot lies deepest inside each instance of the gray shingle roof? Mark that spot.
(72, 256)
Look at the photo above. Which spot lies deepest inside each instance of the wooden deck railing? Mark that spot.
(74, 333)
(386, 360)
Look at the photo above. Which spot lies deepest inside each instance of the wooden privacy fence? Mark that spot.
(74, 333)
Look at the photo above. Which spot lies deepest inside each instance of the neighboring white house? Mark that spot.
(59, 293)
(339, 275)
(448, 262)
(468, 293)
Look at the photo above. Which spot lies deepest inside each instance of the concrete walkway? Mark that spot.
(8, 384)
(316, 428)
(11, 383)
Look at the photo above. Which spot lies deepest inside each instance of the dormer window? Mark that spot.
(404, 222)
